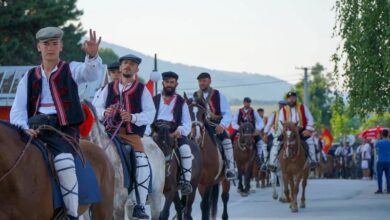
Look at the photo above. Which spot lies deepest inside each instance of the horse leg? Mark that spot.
(303, 197)
(247, 183)
(225, 198)
(293, 198)
(169, 197)
(214, 201)
(273, 180)
(189, 200)
(240, 187)
(155, 204)
(178, 206)
(285, 183)
(205, 203)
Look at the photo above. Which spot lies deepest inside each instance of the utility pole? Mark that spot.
(305, 85)
(155, 70)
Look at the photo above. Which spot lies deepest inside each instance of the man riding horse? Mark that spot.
(300, 114)
(247, 114)
(171, 108)
(48, 95)
(218, 118)
(129, 101)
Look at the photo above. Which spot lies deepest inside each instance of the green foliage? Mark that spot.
(377, 120)
(108, 55)
(320, 96)
(20, 20)
(364, 53)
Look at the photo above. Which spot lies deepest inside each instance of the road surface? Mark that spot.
(326, 199)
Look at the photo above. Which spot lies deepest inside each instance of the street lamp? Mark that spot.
(155, 76)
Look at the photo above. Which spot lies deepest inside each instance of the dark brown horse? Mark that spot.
(213, 168)
(26, 192)
(294, 166)
(244, 154)
(167, 143)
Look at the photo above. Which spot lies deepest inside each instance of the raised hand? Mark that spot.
(91, 46)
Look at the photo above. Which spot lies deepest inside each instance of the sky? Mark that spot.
(270, 37)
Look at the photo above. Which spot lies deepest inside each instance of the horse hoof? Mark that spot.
(253, 191)
(257, 185)
(244, 194)
(294, 210)
(302, 206)
(275, 196)
(283, 200)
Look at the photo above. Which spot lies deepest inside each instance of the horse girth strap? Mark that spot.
(28, 144)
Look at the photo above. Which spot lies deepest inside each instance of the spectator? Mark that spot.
(383, 164)
(366, 160)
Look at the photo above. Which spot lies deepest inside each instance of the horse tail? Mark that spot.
(214, 200)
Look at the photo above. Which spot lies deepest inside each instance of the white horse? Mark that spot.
(124, 203)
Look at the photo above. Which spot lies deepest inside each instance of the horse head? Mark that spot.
(198, 117)
(246, 139)
(163, 137)
(291, 138)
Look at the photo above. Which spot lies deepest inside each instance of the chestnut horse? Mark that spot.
(294, 166)
(167, 144)
(244, 154)
(26, 192)
(213, 168)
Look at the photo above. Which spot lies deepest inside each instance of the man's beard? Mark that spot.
(128, 74)
(169, 91)
(292, 104)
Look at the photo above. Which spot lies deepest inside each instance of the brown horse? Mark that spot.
(26, 192)
(213, 168)
(167, 143)
(294, 166)
(244, 154)
(261, 177)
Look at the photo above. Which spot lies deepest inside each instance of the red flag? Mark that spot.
(150, 87)
(327, 139)
(230, 129)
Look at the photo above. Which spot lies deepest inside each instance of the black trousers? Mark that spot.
(211, 130)
(182, 141)
(55, 142)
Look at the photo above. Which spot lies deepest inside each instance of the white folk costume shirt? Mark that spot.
(295, 118)
(225, 109)
(269, 126)
(165, 112)
(258, 120)
(366, 151)
(81, 73)
(143, 118)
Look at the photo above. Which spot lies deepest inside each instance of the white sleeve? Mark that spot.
(269, 123)
(18, 114)
(258, 121)
(280, 121)
(148, 130)
(225, 111)
(235, 120)
(310, 120)
(145, 117)
(185, 127)
(88, 71)
(100, 103)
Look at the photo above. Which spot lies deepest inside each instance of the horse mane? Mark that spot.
(90, 106)
(18, 129)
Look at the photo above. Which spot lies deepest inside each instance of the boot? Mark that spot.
(186, 163)
(142, 184)
(66, 172)
(274, 155)
(228, 150)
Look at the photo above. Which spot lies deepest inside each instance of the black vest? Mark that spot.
(250, 116)
(131, 101)
(177, 111)
(64, 91)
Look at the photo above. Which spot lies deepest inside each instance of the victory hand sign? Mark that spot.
(91, 46)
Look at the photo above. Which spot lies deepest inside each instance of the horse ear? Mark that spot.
(185, 97)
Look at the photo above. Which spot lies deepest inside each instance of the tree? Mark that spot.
(364, 53)
(108, 55)
(320, 96)
(20, 20)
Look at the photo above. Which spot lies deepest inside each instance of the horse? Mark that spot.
(123, 202)
(260, 176)
(24, 177)
(167, 143)
(294, 165)
(244, 155)
(213, 167)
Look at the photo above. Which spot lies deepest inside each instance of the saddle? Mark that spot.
(89, 191)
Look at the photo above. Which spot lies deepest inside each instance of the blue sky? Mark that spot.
(269, 37)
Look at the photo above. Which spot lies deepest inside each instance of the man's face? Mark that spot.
(169, 86)
(128, 68)
(247, 104)
(261, 113)
(50, 49)
(292, 100)
(204, 83)
(115, 74)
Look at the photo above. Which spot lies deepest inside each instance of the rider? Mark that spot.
(247, 114)
(171, 107)
(114, 73)
(218, 118)
(272, 124)
(297, 113)
(48, 95)
(136, 111)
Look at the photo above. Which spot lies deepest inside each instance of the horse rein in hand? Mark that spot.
(111, 123)
(67, 137)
